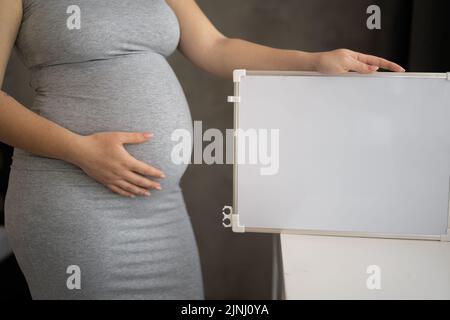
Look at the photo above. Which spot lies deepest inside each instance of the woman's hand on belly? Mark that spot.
(103, 157)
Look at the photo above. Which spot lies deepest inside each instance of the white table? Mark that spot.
(316, 267)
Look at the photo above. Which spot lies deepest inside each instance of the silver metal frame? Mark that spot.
(419, 75)
(236, 101)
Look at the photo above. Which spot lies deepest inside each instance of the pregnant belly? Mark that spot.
(133, 93)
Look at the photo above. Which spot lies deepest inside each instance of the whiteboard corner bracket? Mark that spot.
(235, 223)
(238, 74)
(446, 237)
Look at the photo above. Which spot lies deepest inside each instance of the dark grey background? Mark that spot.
(414, 33)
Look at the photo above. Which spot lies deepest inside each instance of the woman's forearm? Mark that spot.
(209, 49)
(24, 129)
(230, 53)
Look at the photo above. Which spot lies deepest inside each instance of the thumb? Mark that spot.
(135, 137)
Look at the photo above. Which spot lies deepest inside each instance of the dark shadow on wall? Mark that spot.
(430, 36)
(414, 33)
(12, 282)
(5, 162)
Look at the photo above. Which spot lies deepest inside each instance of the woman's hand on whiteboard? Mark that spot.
(103, 157)
(344, 60)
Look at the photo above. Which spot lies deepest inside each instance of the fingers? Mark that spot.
(131, 188)
(131, 180)
(145, 169)
(133, 184)
(134, 137)
(361, 67)
(140, 181)
(379, 62)
(134, 164)
(120, 191)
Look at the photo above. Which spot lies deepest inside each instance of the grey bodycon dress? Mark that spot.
(100, 65)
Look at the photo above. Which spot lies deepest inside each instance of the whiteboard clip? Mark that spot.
(446, 237)
(234, 99)
(236, 226)
(448, 76)
(238, 74)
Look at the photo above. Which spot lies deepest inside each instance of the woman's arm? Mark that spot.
(19, 126)
(210, 50)
(102, 156)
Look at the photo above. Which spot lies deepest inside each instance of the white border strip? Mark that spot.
(421, 75)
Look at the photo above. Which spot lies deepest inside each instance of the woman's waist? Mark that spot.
(99, 115)
(44, 170)
(72, 184)
(137, 74)
(50, 170)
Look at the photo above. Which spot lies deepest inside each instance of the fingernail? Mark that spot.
(147, 193)
(132, 196)
(148, 135)
(158, 187)
(162, 175)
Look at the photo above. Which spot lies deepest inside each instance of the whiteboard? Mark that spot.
(358, 155)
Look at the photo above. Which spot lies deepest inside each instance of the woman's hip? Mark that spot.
(117, 242)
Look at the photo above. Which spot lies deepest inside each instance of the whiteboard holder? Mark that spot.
(446, 237)
(233, 99)
(236, 227)
(238, 74)
(448, 76)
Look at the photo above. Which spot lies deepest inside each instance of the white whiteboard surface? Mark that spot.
(361, 155)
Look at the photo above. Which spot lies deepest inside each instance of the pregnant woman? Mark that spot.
(94, 209)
